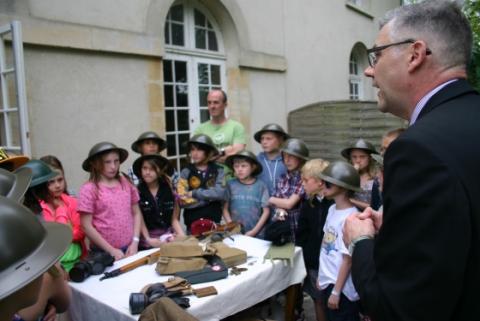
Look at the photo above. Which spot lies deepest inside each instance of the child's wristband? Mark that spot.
(334, 293)
(136, 239)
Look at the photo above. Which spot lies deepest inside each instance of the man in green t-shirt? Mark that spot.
(228, 135)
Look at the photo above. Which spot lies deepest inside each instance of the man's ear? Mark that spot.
(418, 54)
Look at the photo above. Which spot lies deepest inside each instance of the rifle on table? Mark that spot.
(149, 259)
(232, 227)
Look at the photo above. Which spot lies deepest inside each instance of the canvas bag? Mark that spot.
(171, 265)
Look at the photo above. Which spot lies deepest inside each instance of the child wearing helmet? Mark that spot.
(108, 203)
(59, 207)
(148, 143)
(200, 187)
(271, 138)
(289, 190)
(313, 213)
(359, 155)
(27, 255)
(341, 180)
(246, 195)
(160, 209)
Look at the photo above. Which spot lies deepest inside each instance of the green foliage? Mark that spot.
(472, 11)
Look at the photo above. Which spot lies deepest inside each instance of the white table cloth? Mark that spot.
(106, 300)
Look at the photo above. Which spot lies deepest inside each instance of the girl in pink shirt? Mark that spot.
(108, 203)
(62, 208)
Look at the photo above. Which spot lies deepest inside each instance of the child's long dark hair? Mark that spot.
(54, 162)
(159, 170)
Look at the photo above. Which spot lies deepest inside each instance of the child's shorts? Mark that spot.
(310, 285)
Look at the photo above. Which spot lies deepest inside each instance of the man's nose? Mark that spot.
(369, 71)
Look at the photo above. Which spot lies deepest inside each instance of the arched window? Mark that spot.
(194, 64)
(356, 79)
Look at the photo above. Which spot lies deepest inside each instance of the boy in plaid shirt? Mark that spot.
(289, 190)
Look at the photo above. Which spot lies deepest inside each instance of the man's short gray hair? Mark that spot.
(441, 24)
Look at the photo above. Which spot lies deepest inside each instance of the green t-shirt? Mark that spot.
(229, 133)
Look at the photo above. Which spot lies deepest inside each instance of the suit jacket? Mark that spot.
(424, 263)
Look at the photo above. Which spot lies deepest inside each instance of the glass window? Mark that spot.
(174, 27)
(355, 79)
(189, 74)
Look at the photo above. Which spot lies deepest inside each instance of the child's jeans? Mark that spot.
(347, 310)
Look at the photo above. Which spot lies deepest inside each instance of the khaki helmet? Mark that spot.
(162, 144)
(245, 154)
(11, 162)
(342, 174)
(159, 160)
(101, 148)
(296, 147)
(14, 185)
(41, 172)
(275, 128)
(203, 140)
(28, 248)
(359, 144)
(378, 159)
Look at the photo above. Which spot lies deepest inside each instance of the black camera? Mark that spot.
(139, 301)
(94, 264)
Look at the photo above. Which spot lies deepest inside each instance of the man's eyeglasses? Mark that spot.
(373, 53)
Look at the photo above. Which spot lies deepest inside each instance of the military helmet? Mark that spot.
(378, 159)
(14, 185)
(359, 144)
(11, 162)
(245, 154)
(296, 147)
(41, 172)
(27, 247)
(162, 144)
(159, 160)
(203, 140)
(275, 128)
(101, 148)
(342, 174)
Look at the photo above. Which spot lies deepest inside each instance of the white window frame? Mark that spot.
(13, 33)
(193, 57)
(355, 79)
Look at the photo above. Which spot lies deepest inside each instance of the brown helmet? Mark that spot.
(102, 148)
(342, 174)
(359, 144)
(149, 135)
(14, 185)
(159, 160)
(203, 140)
(245, 154)
(296, 147)
(28, 248)
(275, 128)
(11, 162)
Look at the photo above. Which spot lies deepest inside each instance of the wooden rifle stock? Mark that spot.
(149, 259)
(222, 228)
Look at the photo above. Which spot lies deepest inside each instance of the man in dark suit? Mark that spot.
(420, 260)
